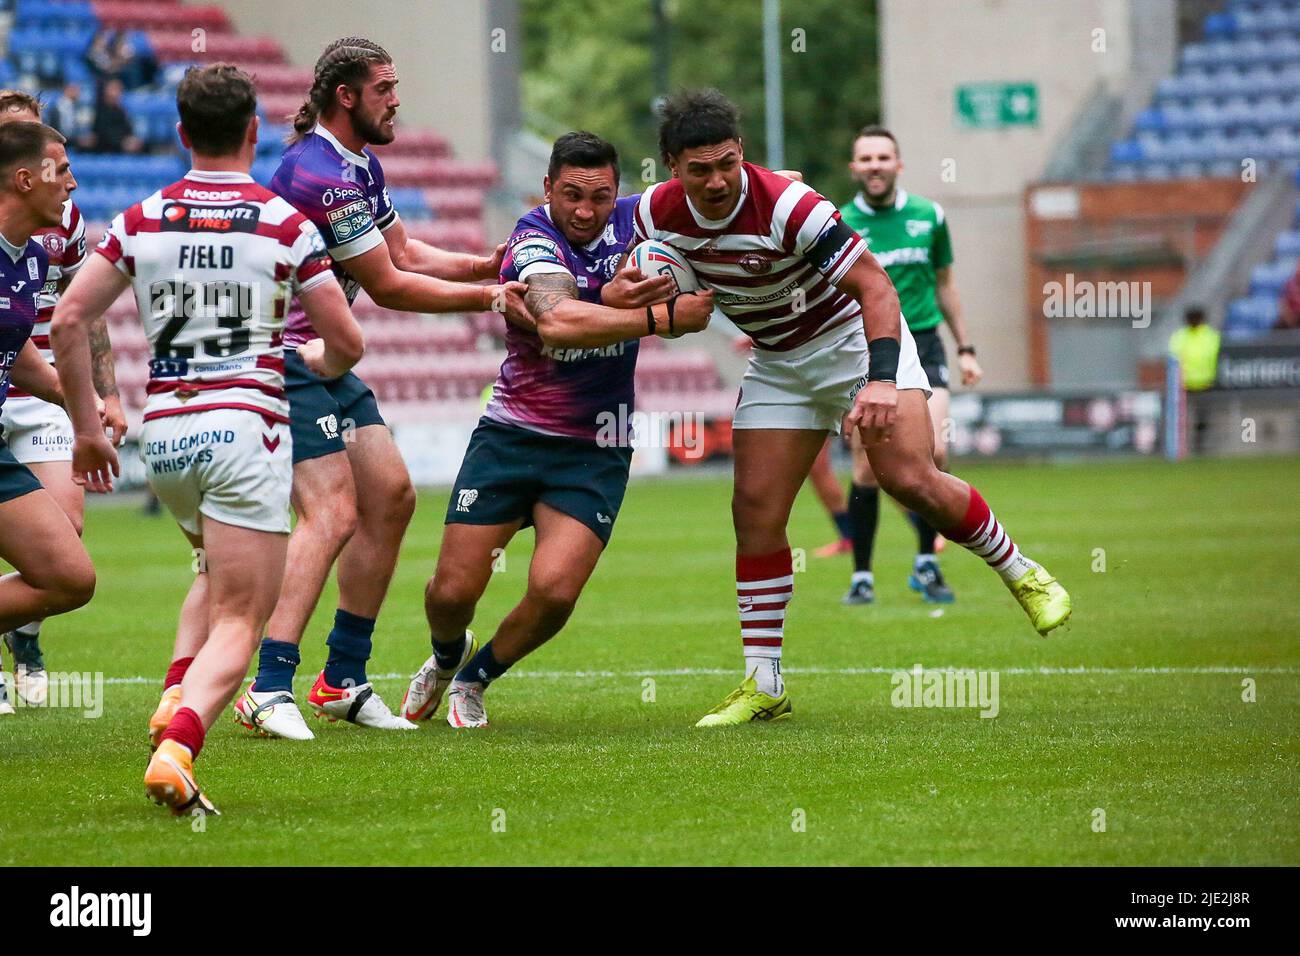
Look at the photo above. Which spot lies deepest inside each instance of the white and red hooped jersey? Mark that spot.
(772, 263)
(214, 260)
(65, 244)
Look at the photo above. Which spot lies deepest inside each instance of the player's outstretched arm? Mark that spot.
(33, 374)
(945, 292)
(104, 376)
(413, 255)
(393, 288)
(96, 286)
(876, 405)
(340, 345)
(565, 321)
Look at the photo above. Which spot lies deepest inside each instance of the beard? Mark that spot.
(371, 131)
(877, 189)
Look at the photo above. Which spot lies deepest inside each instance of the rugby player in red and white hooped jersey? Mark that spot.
(214, 261)
(38, 433)
(788, 272)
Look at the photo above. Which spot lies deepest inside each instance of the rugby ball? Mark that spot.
(656, 258)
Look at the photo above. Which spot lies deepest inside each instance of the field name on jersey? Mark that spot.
(205, 257)
(577, 355)
(908, 255)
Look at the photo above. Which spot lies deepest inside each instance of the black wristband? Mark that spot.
(650, 319)
(672, 307)
(965, 350)
(882, 360)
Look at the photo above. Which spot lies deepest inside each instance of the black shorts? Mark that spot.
(934, 360)
(323, 410)
(507, 470)
(16, 478)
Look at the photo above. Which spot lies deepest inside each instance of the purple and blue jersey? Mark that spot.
(22, 276)
(572, 392)
(343, 193)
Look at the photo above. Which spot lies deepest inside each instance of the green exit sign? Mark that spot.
(997, 105)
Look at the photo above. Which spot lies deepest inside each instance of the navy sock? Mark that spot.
(924, 533)
(844, 524)
(483, 667)
(864, 506)
(26, 645)
(349, 645)
(276, 663)
(448, 654)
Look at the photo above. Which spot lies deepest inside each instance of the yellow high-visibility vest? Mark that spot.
(1197, 351)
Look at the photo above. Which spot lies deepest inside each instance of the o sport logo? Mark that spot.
(465, 498)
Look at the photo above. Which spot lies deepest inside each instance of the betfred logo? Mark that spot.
(183, 217)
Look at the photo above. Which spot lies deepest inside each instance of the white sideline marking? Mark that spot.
(833, 671)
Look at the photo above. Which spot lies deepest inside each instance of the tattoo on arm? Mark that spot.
(101, 359)
(548, 290)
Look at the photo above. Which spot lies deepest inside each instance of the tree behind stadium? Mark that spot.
(589, 64)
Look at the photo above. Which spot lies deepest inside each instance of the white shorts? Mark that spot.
(36, 431)
(232, 465)
(812, 387)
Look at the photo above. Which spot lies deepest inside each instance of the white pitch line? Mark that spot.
(833, 672)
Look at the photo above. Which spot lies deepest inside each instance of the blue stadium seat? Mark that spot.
(1268, 279)
(1287, 245)
(1253, 314)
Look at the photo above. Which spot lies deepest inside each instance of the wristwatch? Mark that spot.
(966, 350)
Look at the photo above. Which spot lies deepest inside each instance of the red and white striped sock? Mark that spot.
(983, 534)
(764, 586)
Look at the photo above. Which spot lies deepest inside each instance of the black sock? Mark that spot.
(924, 533)
(864, 508)
(447, 655)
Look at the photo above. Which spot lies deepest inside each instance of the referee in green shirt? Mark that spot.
(909, 236)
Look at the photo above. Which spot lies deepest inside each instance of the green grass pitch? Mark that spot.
(1135, 712)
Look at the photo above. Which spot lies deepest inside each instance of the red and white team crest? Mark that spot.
(54, 244)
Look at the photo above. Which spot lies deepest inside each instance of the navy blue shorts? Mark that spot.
(323, 410)
(16, 479)
(509, 470)
(934, 360)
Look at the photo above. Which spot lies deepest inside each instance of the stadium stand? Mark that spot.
(1236, 95)
(421, 367)
(1235, 98)
(1257, 312)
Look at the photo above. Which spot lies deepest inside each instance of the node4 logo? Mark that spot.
(465, 498)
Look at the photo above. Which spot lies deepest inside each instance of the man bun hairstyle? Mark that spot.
(583, 150)
(345, 61)
(696, 118)
(216, 103)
